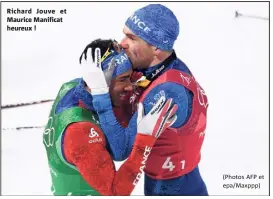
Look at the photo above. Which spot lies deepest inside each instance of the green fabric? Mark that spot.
(66, 179)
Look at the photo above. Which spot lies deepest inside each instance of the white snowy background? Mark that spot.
(229, 56)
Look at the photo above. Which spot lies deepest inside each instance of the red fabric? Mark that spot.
(136, 76)
(85, 148)
(177, 151)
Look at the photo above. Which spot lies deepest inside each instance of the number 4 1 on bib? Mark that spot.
(168, 164)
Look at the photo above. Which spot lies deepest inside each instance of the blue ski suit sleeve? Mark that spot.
(169, 90)
(121, 139)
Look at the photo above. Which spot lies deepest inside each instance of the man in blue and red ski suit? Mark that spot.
(172, 167)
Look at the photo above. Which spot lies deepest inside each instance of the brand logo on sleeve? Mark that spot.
(94, 134)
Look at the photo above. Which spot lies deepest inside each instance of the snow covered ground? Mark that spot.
(228, 56)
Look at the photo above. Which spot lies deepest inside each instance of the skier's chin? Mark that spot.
(119, 100)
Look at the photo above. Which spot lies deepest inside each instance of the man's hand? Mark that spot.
(161, 116)
(92, 72)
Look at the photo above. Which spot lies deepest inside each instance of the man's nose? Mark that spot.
(124, 44)
(129, 87)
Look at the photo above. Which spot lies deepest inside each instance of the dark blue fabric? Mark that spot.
(72, 97)
(122, 65)
(190, 184)
(120, 139)
(156, 24)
